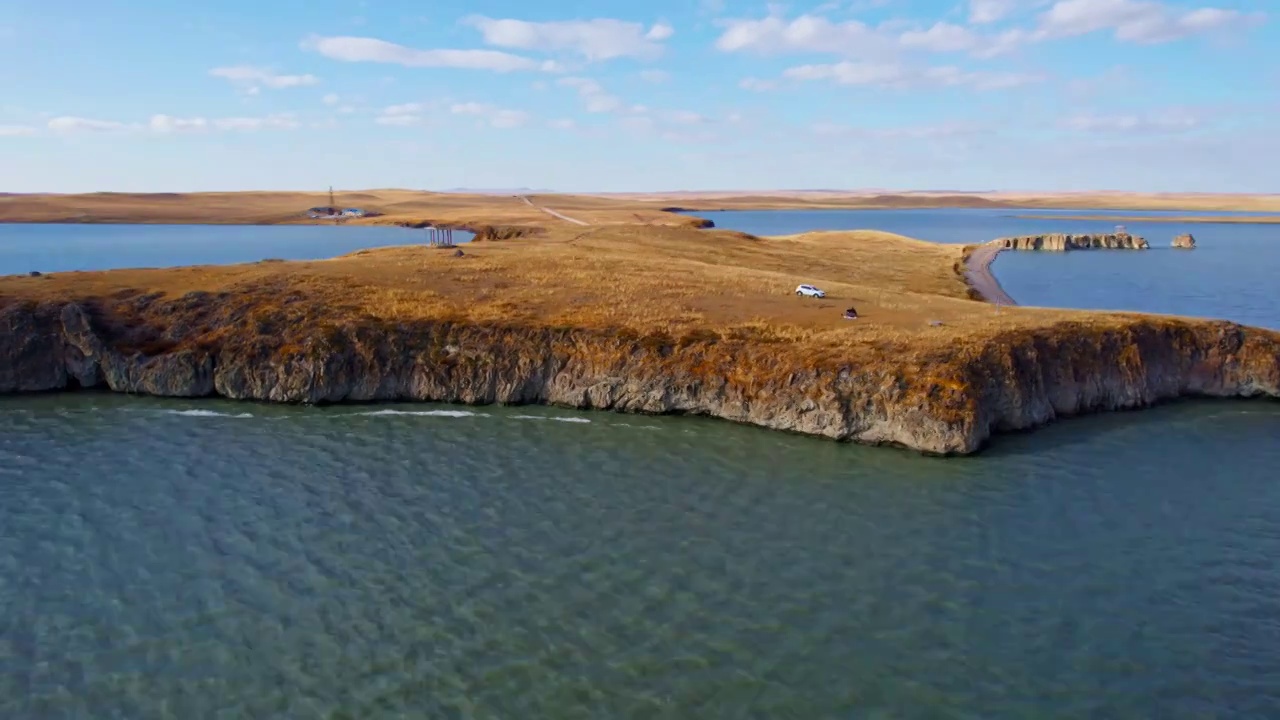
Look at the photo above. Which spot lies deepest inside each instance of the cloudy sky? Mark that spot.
(1158, 95)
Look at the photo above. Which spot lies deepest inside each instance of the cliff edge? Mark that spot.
(1061, 242)
(945, 401)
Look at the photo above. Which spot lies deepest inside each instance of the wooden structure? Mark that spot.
(440, 237)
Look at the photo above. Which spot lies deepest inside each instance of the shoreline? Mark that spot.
(421, 207)
(264, 335)
(634, 317)
(1200, 219)
(980, 277)
(951, 404)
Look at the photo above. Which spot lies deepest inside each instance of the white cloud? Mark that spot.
(331, 99)
(252, 78)
(902, 76)
(660, 31)
(595, 40)
(69, 124)
(162, 124)
(982, 12)
(1140, 21)
(806, 33)
(170, 124)
(685, 117)
(594, 97)
(1172, 121)
(940, 131)
(270, 122)
(402, 115)
(363, 49)
(655, 76)
(940, 37)
(398, 120)
(16, 130)
(1137, 21)
(562, 124)
(495, 116)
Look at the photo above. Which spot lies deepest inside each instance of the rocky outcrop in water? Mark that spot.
(1065, 241)
(1184, 241)
(943, 403)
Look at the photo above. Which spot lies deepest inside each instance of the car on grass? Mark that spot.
(809, 291)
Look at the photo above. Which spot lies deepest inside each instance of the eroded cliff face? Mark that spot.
(1064, 241)
(946, 403)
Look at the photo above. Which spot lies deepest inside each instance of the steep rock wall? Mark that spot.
(1064, 241)
(947, 403)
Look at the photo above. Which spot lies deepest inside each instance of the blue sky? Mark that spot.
(1156, 95)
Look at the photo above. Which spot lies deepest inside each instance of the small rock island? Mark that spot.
(1061, 242)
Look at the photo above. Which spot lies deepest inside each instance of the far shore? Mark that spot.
(1255, 220)
(473, 210)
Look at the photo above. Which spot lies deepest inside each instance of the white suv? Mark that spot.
(809, 291)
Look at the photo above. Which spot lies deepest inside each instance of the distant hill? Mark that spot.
(497, 191)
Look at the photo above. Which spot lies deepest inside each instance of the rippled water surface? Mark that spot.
(163, 559)
(61, 248)
(1232, 274)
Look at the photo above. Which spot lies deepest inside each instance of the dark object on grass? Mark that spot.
(34, 273)
(851, 314)
(458, 253)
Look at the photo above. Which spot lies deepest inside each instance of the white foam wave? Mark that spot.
(424, 413)
(206, 413)
(546, 417)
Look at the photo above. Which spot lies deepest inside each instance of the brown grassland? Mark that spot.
(478, 210)
(632, 270)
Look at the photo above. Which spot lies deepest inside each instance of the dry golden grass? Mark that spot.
(475, 210)
(645, 280)
(395, 207)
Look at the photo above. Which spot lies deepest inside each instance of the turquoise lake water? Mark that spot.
(48, 248)
(193, 559)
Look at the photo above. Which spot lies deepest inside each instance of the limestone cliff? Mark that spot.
(1063, 241)
(1185, 241)
(942, 403)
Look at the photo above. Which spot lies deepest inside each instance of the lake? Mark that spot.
(179, 559)
(189, 559)
(47, 248)
(1230, 275)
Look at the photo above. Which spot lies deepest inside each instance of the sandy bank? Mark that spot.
(981, 279)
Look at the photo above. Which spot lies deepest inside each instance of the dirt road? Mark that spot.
(551, 212)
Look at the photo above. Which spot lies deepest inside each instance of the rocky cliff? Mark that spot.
(947, 402)
(1063, 241)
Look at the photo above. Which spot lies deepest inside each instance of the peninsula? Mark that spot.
(630, 309)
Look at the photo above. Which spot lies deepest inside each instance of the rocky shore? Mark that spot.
(1062, 242)
(945, 402)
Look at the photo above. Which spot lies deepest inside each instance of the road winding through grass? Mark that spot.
(551, 212)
